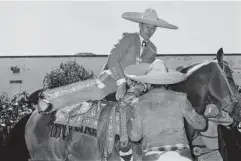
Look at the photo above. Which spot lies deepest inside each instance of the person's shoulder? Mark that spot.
(180, 95)
(147, 96)
(148, 99)
(129, 35)
(144, 104)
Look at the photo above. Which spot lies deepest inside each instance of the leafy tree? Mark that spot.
(12, 109)
(68, 72)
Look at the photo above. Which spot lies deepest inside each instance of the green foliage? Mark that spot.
(11, 111)
(68, 72)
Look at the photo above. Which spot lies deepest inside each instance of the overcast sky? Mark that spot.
(52, 28)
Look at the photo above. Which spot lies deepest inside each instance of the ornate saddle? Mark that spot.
(82, 117)
(79, 114)
(89, 116)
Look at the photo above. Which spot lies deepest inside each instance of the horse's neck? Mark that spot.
(197, 93)
(195, 96)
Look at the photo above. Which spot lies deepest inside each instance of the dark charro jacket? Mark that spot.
(159, 119)
(126, 52)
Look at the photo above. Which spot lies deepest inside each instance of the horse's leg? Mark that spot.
(83, 147)
(36, 136)
(58, 148)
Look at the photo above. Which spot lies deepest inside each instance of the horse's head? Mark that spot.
(222, 88)
(35, 96)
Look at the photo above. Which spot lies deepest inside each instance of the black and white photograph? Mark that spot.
(120, 80)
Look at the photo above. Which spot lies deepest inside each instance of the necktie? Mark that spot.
(144, 43)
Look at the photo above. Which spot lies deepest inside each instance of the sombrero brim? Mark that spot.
(137, 17)
(137, 72)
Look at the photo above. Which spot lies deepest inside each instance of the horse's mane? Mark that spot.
(189, 70)
(186, 69)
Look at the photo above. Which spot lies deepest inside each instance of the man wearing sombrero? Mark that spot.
(133, 48)
(158, 115)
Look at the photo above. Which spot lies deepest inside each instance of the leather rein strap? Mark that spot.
(228, 99)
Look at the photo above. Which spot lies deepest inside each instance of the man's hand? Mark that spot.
(121, 91)
(197, 121)
(211, 110)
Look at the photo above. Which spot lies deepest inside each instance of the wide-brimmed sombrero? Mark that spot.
(155, 73)
(148, 17)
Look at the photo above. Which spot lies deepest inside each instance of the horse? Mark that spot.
(82, 146)
(207, 82)
(211, 82)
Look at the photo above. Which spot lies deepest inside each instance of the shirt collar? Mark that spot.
(141, 38)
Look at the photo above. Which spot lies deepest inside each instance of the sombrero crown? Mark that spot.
(148, 17)
(155, 73)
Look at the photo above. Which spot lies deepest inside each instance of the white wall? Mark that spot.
(33, 69)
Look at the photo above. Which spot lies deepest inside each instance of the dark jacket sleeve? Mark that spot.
(193, 118)
(116, 54)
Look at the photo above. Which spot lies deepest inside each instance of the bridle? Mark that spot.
(229, 99)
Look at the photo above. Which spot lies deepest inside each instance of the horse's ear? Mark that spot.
(220, 55)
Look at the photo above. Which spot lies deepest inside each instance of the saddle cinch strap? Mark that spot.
(111, 132)
(121, 106)
(123, 129)
(112, 129)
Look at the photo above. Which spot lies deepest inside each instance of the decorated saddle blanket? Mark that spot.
(79, 116)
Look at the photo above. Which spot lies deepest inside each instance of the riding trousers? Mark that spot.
(72, 94)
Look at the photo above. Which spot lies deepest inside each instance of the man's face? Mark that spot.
(147, 30)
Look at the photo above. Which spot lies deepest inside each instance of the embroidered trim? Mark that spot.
(50, 94)
(168, 148)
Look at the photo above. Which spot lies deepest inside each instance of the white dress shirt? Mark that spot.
(141, 44)
(139, 59)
